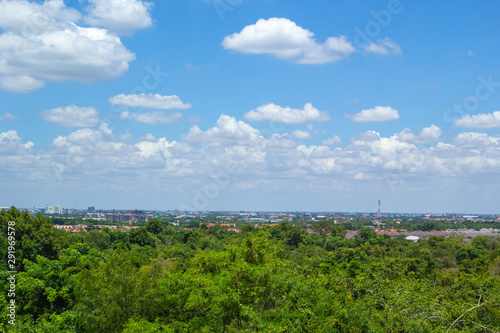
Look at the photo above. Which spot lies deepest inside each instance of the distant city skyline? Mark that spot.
(251, 105)
(71, 210)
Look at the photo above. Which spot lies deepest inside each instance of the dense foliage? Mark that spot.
(281, 279)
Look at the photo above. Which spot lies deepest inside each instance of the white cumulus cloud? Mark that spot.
(84, 136)
(152, 118)
(10, 142)
(72, 116)
(301, 134)
(427, 134)
(150, 101)
(287, 115)
(122, 16)
(475, 140)
(228, 131)
(43, 42)
(378, 113)
(27, 17)
(483, 120)
(284, 39)
(334, 140)
(20, 84)
(235, 154)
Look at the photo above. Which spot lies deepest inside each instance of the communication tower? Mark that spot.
(378, 219)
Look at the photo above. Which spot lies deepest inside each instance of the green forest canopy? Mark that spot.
(159, 278)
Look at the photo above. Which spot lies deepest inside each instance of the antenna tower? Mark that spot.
(377, 220)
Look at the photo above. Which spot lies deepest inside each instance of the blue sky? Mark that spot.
(250, 105)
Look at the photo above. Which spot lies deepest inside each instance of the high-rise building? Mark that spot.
(56, 209)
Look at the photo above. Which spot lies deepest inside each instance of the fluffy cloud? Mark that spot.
(483, 120)
(84, 136)
(43, 42)
(72, 116)
(122, 16)
(151, 146)
(384, 46)
(22, 84)
(228, 131)
(238, 156)
(476, 140)
(369, 155)
(152, 118)
(378, 113)
(300, 134)
(150, 101)
(72, 53)
(286, 40)
(431, 133)
(286, 115)
(24, 17)
(331, 141)
(427, 134)
(11, 143)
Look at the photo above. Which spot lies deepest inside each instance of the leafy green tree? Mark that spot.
(248, 227)
(338, 231)
(154, 226)
(106, 294)
(144, 326)
(95, 238)
(295, 236)
(34, 235)
(366, 234)
(140, 236)
(324, 227)
(41, 289)
(276, 279)
(467, 252)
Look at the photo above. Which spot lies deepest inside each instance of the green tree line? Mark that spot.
(159, 278)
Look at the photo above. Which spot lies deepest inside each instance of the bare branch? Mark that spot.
(486, 328)
(458, 319)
